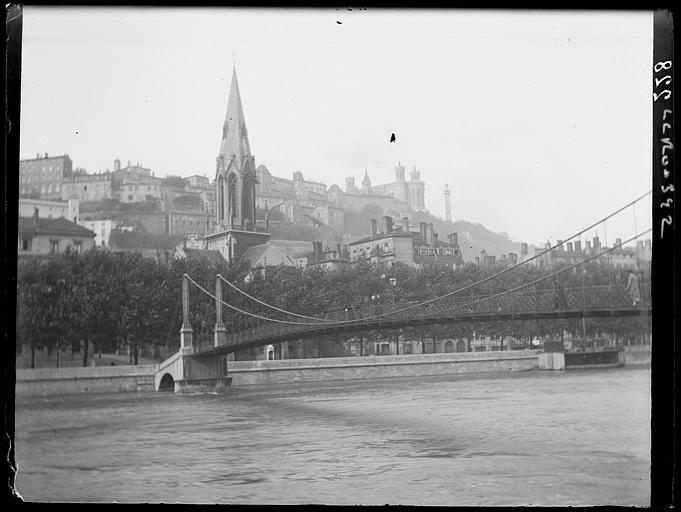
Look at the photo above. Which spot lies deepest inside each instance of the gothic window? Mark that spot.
(231, 194)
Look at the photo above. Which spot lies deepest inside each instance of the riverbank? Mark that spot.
(116, 379)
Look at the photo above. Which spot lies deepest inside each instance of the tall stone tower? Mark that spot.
(235, 175)
(366, 183)
(235, 181)
(448, 206)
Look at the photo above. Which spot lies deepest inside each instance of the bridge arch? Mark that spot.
(167, 383)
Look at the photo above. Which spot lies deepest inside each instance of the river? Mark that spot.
(528, 438)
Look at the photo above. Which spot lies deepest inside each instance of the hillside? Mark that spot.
(473, 237)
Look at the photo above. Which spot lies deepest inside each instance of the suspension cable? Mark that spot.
(566, 268)
(241, 310)
(484, 280)
(517, 288)
(325, 320)
(430, 301)
(449, 294)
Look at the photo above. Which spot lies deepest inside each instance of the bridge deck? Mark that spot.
(600, 301)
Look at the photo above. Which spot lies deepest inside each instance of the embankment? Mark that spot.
(97, 379)
(248, 373)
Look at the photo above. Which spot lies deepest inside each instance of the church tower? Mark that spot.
(235, 175)
(448, 206)
(235, 183)
(366, 183)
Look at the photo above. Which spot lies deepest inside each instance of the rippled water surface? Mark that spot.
(540, 438)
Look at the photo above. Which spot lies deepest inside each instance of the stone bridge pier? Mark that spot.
(186, 372)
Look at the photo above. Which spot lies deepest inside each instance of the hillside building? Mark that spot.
(41, 177)
(43, 237)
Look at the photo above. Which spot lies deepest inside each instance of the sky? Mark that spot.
(539, 122)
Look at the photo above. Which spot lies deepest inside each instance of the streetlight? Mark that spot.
(393, 283)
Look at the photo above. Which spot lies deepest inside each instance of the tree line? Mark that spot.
(122, 300)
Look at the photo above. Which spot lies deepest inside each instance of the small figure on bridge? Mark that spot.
(633, 288)
(559, 296)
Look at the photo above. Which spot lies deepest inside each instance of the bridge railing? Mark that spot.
(524, 301)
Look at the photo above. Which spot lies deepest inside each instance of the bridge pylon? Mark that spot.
(220, 332)
(186, 331)
(187, 370)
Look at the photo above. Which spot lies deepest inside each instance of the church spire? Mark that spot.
(234, 133)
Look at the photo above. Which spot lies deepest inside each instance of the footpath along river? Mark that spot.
(530, 438)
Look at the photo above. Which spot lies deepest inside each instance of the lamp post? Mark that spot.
(393, 283)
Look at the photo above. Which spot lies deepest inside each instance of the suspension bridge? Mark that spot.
(264, 324)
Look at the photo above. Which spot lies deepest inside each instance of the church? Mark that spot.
(235, 182)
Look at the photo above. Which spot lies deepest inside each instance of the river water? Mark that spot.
(528, 438)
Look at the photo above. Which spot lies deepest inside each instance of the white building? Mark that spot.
(50, 209)
(101, 228)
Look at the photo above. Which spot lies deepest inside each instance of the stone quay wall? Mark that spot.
(97, 379)
(248, 373)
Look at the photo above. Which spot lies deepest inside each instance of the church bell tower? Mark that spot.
(235, 176)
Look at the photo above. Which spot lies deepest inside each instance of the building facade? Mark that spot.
(102, 230)
(87, 187)
(411, 192)
(50, 209)
(41, 177)
(398, 244)
(43, 237)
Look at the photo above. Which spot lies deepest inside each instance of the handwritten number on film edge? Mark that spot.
(666, 142)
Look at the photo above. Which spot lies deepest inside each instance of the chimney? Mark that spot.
(373, 227)
(37, 156)
(569, 247)
(117, 165)
(423, 231)
(45, 154)
(387, 224)
(405, 224)
(317, 247)
(430, 233)
(618, 241)
(596, 243)
(559, 245)
(587, 247)
(523, 249)
(578, 246)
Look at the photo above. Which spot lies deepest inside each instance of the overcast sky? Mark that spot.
(539, 122)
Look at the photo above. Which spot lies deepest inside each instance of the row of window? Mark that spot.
(42, 170)
(26, 245)
(52, 188)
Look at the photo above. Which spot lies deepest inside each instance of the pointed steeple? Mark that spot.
(366, 182)
(234, 133)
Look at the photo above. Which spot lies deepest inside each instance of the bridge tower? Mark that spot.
(188, 370)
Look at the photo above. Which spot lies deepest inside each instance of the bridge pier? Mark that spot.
(189, 372)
